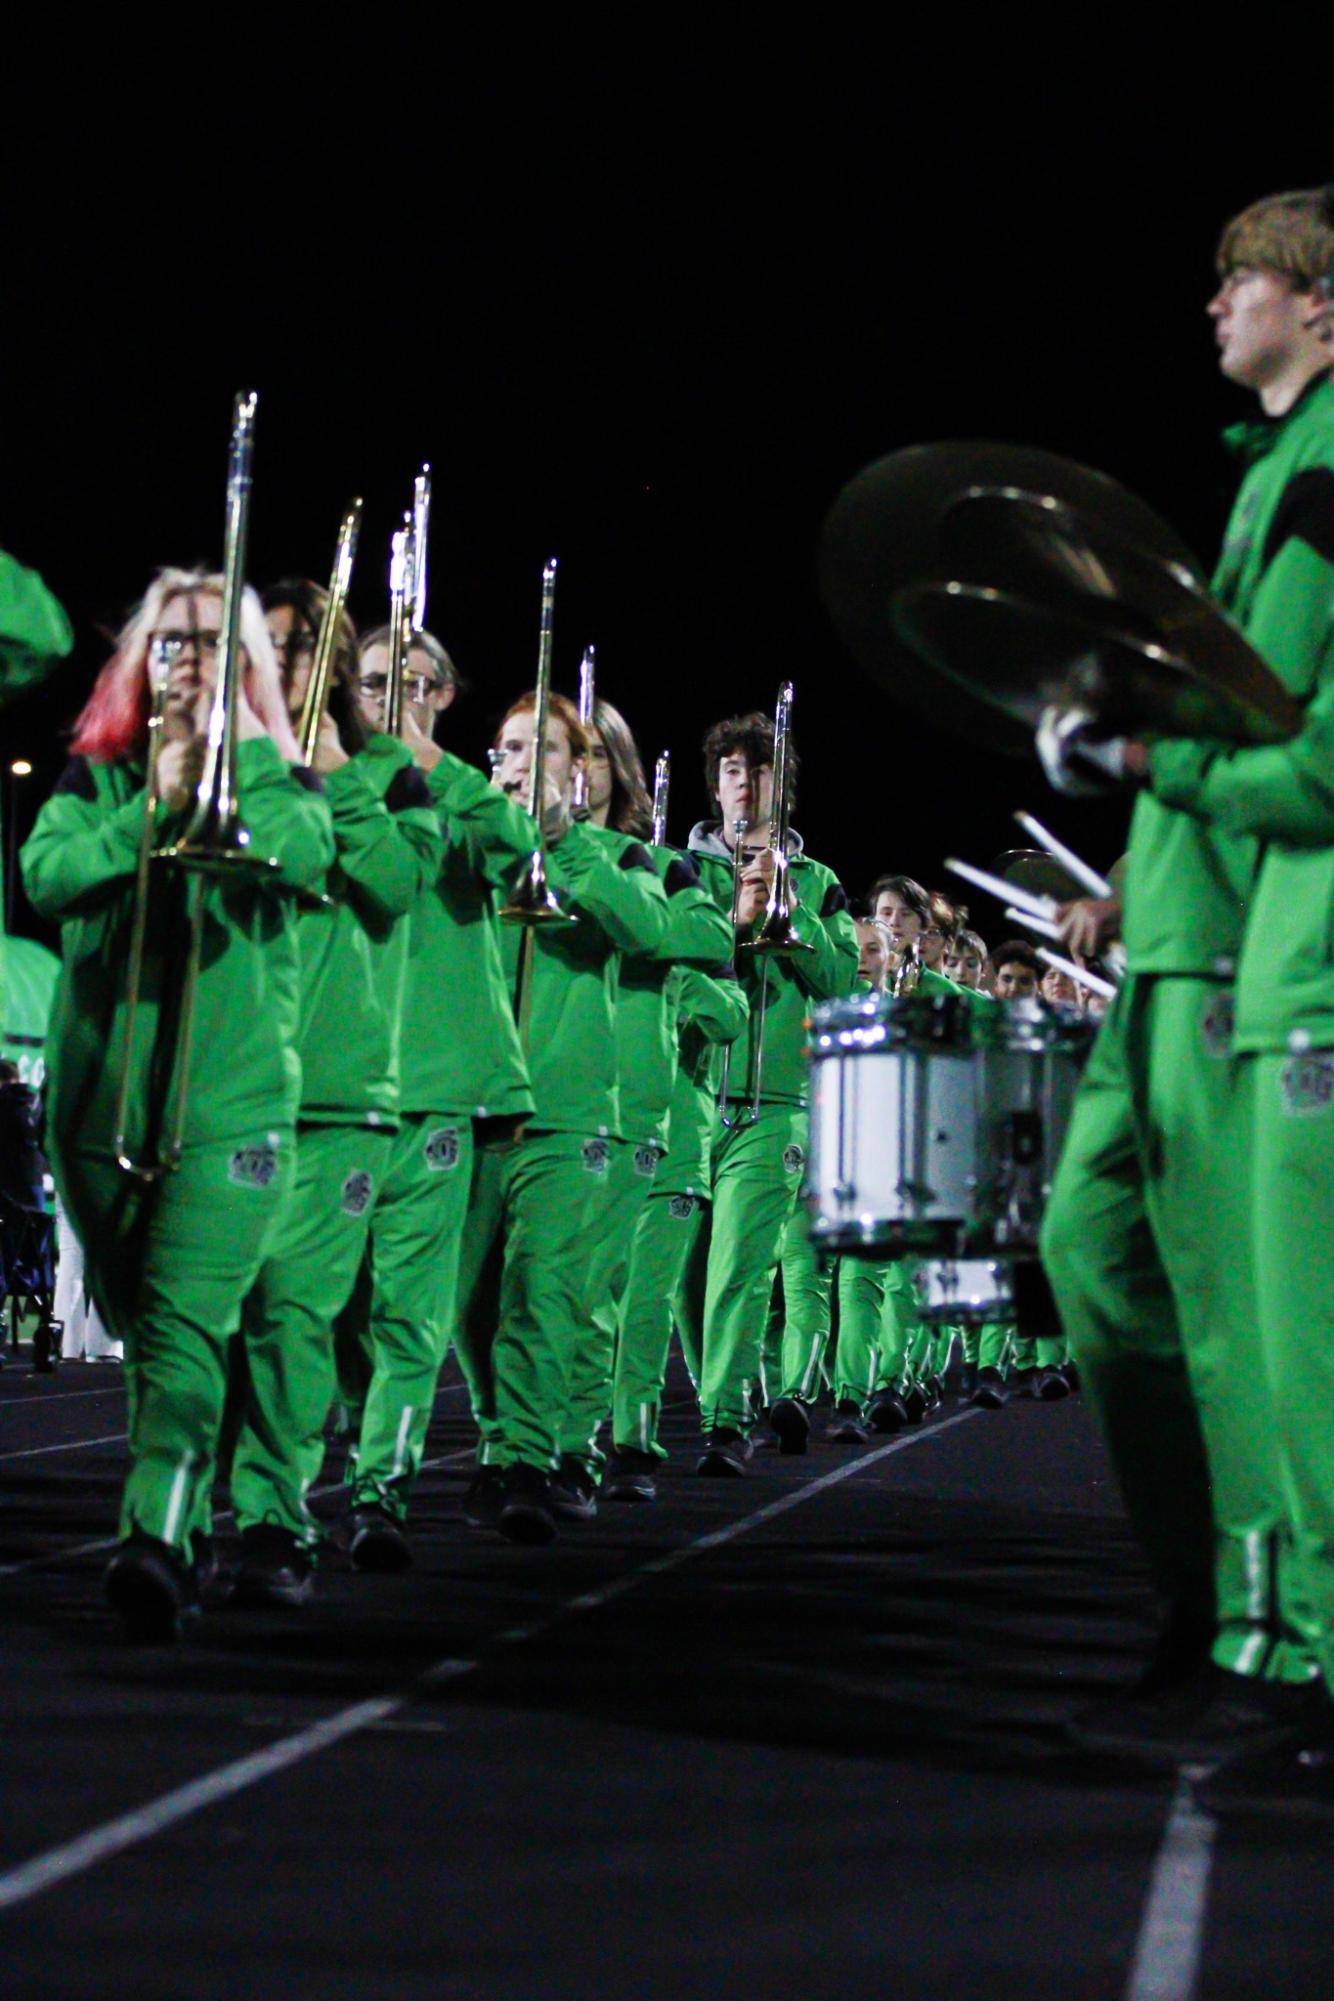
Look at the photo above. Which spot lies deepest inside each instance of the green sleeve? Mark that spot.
(498, 834)
(629, 905)
(34, 626)
(697, 933)
(81, 845)
(287, 813)
(388, 852)
(1279, 792)
(831, 969)
(713, 1004)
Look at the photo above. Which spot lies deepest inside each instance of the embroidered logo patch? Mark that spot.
(681, 1207)
(646, 1161)
(441, 1148)
(597, 1155)
(253, 1166)
(1307, 1084)
(794, 1159)
(356, 1193)
(1217, 1023)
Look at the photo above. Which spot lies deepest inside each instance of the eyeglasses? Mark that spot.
(420, 686)
(296, 643)
(166, 648)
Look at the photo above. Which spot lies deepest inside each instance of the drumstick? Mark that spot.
(1079, 974)
(1005, 892)
(1042, 925)
(1088, 878)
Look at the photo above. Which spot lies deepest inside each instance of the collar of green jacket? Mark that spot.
(1258, 435)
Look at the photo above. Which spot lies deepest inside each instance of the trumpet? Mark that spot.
(407, 596)
(215, 841)
(777, 936)
(533, 901)
(326, 646)
(662, 783)
(588, 717)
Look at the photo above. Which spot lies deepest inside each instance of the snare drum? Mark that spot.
(936, 1126)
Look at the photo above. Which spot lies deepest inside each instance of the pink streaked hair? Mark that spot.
(114, 721)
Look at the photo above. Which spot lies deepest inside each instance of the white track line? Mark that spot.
(37, 1451)
(47, 1399)
(99, 1844)
(1171, 1932)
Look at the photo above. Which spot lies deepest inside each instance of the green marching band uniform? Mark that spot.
(353, 956)
(1176, 1150)
(757, 1164)
(457, 1082)
(170, 1265)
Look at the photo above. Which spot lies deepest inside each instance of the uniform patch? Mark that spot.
(794, 1159)
(441, 1148)
(646, 1161)
(1217, 1023)
(681, 1207)
(1307, 1084)
(253, 1166)
(356, 1198)
(596, 1156)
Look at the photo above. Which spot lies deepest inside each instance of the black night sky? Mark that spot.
(646, 288)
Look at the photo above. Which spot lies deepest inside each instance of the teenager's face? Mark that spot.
(1262, 326)
(599, 772)
(931, 945)
(745, 792)
(187, 636)
(872, 953)
(1059, 988)
(515, 745)
(964, 966)
(294, 644)
(899, 918)
(1015, 981)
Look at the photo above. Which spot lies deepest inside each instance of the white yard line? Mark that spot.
(1171, 1932)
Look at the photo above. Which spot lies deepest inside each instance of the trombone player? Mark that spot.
(172, 1248)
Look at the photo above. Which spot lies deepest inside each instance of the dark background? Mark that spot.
(646, 290)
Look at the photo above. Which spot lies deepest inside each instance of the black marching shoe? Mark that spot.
(574, 1491)
(150, 1588)
(484, 1497)
(527, 1513)
(276, 1568)
(1051, 1385)
(888, 1412)
(915, 1402)
(1291, 1781)
(1213, 1714)
(1023, 1382)
(790, 1425)
(989, 1391)
(967, 1380)
(631, 1475)
(725, 1454)
(847, 1426)
(377, 1542)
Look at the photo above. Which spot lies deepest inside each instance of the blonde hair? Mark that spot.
(114, 720)
(1291, 234)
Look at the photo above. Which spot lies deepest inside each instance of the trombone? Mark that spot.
(533, 901)
(216, 840)
(326, 646)
(662, 784)
(579, 808)
(407, 596)
(777, 936)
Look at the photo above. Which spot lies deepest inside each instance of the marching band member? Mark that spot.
(353, 948)
(1193, 1385)
(759, 1157)
(170, 1260)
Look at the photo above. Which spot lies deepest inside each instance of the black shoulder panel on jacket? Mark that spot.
(682, 873)
(636, 856)
(77, 777)
(407, 788)
(835, 899)
(1305, 511)
(310, 779)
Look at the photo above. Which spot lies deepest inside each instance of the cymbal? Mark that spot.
(1061, 557)
(883, 535)
(1024, 657)
(1035, 870)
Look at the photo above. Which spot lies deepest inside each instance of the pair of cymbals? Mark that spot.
(986, 583)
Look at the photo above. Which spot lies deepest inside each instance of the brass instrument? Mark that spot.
(777, 935)
(588, 717)
(906, 976)
(745, 1115)
(533, 900)
(407, 596)
(216, 840)
(662, 782)
(326, 646)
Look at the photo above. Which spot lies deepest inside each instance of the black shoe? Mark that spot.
(790, 1425)
(574, 1491)
(1051, 1386)
(276, 1568)
(484, 1497)
(1201, 1720)
(631, 1475)
(377, 1542)
(205, 1570)
(935, 1392)
(888, 1412)
(967, 1381)
(1070, 1370)
(1292, 1780)
(526, 1511)
(149, 1587)
(1023, 1382)
(989, 1391)
(725, 1454)
(847, 1426)
(914, 1403)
